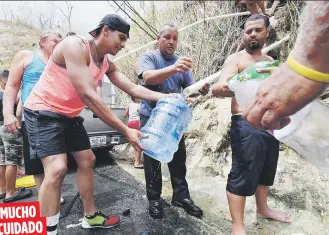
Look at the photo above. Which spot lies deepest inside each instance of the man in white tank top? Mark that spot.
(132, 111)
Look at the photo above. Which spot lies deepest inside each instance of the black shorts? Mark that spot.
(254, 158)
(32, 166)
(51, 133)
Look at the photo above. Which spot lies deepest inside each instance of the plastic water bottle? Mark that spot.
(165, 128)
(308, 131)
(308, 134)
(245, 84)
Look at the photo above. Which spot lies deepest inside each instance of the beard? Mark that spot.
(254, 45)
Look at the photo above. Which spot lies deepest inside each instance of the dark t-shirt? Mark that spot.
(1, 106)
(153, 60)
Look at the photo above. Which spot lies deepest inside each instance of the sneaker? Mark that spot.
(99, 220)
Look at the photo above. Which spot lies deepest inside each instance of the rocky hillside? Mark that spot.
(299, 189)
(13, 38)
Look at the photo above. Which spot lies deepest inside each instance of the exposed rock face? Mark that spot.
(299, 189)
(207, 139)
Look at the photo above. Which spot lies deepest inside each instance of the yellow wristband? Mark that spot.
(307, 72)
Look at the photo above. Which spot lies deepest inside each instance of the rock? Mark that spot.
(299, 188)
(207, 135)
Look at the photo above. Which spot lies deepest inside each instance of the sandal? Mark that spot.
(2, 195)
(21, 193)
(141, 166)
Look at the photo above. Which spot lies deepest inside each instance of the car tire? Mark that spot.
(102, 156)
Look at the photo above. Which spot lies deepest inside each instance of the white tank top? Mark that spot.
(134, 111)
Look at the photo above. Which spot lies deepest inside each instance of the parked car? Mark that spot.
(102, 137)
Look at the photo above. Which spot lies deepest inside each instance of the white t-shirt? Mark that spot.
(134, 111)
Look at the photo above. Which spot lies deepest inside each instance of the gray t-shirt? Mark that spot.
(153, 60)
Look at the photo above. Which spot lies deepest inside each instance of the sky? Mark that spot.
(85, 14)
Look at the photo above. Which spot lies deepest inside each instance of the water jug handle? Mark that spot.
(144, 136)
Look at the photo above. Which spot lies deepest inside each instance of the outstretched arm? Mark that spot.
(274, 6)
(262, 6)
(229, 69)
(75, 55)
(125, 114)
(285, 92)
(158, 76)
(138, 91)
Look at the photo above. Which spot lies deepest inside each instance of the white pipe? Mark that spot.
(182, 29)
(276, 44)
(196, 86)
(214, 18)
(214, 77)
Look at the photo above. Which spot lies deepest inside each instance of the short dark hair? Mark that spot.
(257, 17)
(71, 34)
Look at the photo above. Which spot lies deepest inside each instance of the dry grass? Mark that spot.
(208, 44)
(13, 38)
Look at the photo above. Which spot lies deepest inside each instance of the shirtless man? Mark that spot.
(254, 152)
(260, 7)
(288, 89)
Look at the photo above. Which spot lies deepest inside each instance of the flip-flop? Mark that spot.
(2, 195)
(21, 193)
(139, 167)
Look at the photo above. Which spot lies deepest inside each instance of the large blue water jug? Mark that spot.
(165, 128)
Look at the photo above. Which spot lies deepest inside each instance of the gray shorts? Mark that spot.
(51, 133)
(11, 148)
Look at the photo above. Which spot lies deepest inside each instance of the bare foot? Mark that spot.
(275, 215)
(238, 230)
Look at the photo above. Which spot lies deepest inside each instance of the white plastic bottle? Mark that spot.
(165, 128)
(308, 134)
(308, 131)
